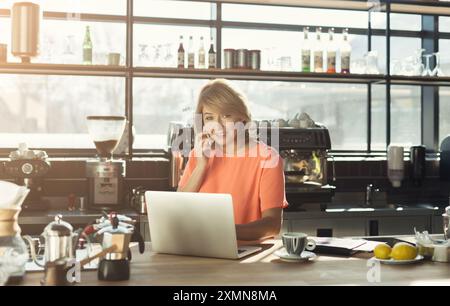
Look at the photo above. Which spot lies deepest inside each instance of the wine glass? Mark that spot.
(143, 57)
(418, 65)
(427, 71)
(437, 69)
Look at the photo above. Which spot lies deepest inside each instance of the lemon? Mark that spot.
(403, 251)
(382, 251)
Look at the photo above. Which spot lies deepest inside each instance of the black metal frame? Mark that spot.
(430, 110)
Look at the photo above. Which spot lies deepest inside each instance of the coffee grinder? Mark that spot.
(105, 175)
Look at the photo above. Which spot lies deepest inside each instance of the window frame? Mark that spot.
(429, 113)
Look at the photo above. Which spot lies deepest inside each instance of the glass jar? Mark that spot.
(13, 250)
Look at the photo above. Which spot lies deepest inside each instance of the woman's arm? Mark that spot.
(269, 225)
(195, 180)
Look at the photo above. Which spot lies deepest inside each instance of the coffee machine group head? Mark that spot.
(28, 168)
(105, 175)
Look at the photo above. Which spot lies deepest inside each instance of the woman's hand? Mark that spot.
(202, 149)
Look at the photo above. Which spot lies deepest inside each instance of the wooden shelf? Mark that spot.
(232, 74)
(60, 69)
(257, 75)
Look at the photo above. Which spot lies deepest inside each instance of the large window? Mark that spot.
(341, 107)
(49, 111)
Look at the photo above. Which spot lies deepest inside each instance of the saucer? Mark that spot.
(285, 256)
(399, 262)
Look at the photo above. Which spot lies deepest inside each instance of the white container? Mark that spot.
(26, 19)
(396, 165)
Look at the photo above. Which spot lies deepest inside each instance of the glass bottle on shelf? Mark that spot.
(346, 51)
(306, 51)
(318, 51)
(181, 54)
(331, 52)
(191, 53)
(87, 47)
(212, 56)
(201, 54)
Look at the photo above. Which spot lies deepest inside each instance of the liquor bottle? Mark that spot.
(331, 52)
(318, 52)
(191, 53)
(181, 54)
(212, 56)
(201, 54)
(87, 47)
(306, 51)
(346, 51)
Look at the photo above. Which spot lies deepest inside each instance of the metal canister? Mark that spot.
(229, 58)
(25, 19)
(242, 59)
(255, 59)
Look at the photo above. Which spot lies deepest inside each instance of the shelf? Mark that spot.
(243, 74)
(232, 74)
(420, 80)
(60, 69)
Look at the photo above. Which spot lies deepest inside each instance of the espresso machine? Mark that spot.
(105, 175)
(305, 155)
(28, 168)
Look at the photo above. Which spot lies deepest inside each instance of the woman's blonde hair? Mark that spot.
(220, 95)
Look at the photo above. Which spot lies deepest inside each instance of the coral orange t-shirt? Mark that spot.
(255, 182)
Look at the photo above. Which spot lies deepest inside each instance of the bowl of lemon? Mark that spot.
(402, 253)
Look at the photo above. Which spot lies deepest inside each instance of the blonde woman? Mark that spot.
(226, 159)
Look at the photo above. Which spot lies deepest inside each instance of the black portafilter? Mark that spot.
(417, 157)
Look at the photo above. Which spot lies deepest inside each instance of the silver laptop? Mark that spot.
(197, 224)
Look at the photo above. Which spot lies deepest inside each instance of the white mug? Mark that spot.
(441, 253)
(114, 59)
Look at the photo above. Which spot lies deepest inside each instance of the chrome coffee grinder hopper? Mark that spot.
(105, 174)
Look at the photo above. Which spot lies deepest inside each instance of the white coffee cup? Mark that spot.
(114, 59)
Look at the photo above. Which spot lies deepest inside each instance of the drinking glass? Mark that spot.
(396, 67)
(418, 65)
(372, 62)
(427, 71)
(437, 69)
(143, 58)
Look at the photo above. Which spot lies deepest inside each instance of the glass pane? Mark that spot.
(294, 15)
(444, 55)
(111, 7)
(405, 22)
(158, 102)
(280, 50)
(160, 48)
(444, 111)
(50, 111)
(342, 108)
(65, 46)
(405, 115)
(378, 117)
(444, 24)
(174, 9)
(401, 49)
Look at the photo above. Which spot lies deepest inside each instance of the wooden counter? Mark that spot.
(264, 268)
